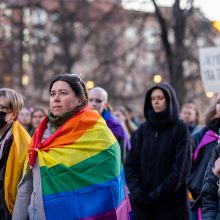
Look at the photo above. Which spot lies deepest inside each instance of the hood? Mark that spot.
(171, 99)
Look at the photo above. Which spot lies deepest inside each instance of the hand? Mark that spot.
(144, 200)
(216, 169)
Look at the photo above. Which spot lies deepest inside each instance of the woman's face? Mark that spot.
(158, 100)
(119, 115)
(63, 98)
(4, 108)
(97, 101)
(188, 115)
(37, 118)
(25, 116)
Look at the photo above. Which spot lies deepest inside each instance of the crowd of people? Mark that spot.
(54, 162)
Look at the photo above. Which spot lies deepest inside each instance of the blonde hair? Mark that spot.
(193, 107)
(14, 99)
(101, 91)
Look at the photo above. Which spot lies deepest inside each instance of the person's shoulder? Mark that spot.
(179, 123)
(139, 133)
(199, 133)
(142, 129)
(199, 130)
(180, 127)
(114, 121)
(143, 125)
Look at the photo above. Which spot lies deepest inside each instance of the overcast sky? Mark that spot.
(211, 8)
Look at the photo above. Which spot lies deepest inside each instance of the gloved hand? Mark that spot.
(144, 200)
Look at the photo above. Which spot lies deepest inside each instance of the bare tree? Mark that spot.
(83, 36)
(12, 49)
(175, 54)
(93, 38)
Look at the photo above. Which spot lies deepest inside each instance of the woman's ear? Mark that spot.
(106, 104)
(80, 102)
(15, 115)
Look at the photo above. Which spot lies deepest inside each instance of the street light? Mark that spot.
(216, 25)
(25, 80)
(7, 79)
(90, 84)
(209, 94)
(157, 78)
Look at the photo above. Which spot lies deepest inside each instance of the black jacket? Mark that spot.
(158, 164)
(210, 194)
(196, 177)
(199, 166)
(4, 212)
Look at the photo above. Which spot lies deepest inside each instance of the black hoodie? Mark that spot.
(159, 162)
(171, 99)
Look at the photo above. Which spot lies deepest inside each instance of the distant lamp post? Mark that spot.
(209, 94)
(216, 25)
(90, 84)
(157, 78)
(25, 80)
(7, 79)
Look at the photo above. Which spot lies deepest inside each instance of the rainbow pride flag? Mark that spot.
(81, 172)
(15, 163)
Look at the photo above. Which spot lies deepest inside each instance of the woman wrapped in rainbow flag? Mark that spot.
(14, 140)
(74, 168)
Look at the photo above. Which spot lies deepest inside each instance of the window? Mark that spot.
(39, 16)
(131, 32)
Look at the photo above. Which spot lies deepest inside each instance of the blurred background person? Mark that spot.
(205, 141)
(190, 115)
(98, 100)
(25, 119)
(210, 121)
(37, 116)
(123, 116)
(133, 116)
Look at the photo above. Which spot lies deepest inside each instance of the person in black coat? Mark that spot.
(160, 160)
(210, 191)
(205, 140)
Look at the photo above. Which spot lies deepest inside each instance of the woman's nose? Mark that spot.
(92, 102)
(57, 97)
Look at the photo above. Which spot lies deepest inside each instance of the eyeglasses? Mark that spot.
(96, 100)
(2, 107)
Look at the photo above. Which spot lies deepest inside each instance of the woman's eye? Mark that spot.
(63, 93)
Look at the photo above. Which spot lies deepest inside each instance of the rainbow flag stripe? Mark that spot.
(81, 172)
